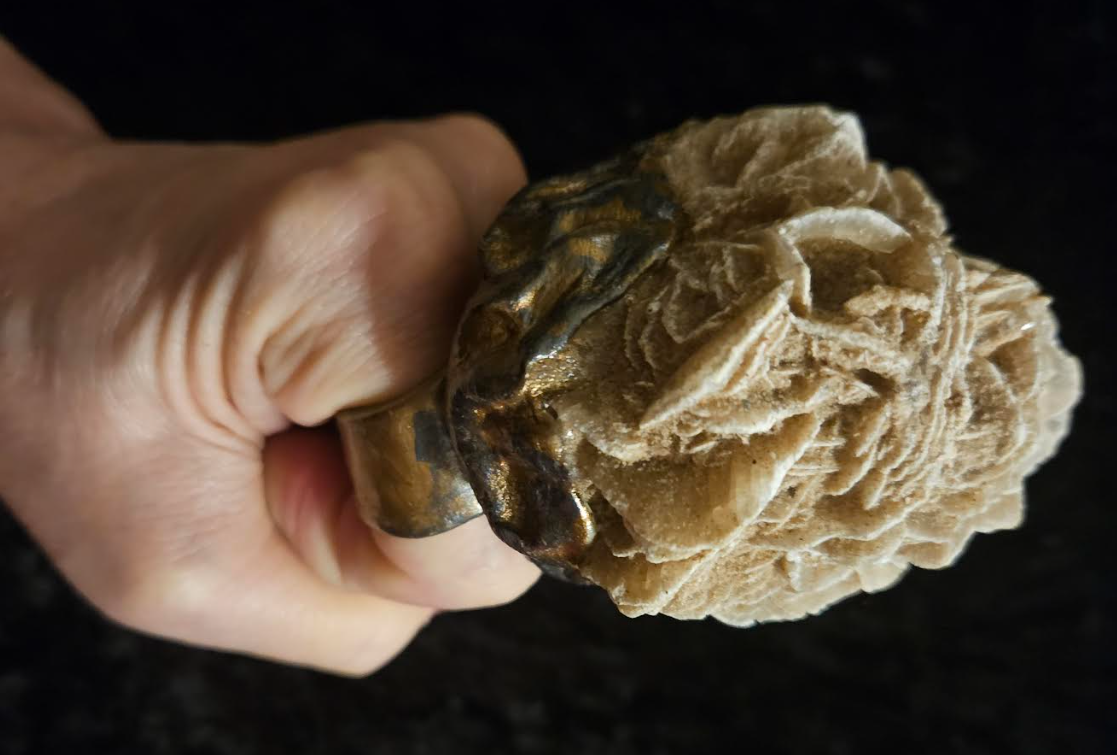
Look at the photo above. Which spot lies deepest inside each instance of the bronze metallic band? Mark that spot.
(483, 437)
(406, 477)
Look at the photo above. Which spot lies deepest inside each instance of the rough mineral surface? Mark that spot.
(813, 392)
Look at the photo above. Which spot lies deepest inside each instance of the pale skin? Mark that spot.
(176, 320)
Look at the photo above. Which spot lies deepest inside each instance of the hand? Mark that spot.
(174, 318)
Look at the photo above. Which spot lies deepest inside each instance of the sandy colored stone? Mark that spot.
(815, 391)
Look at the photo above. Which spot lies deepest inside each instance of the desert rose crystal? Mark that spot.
(739, 371)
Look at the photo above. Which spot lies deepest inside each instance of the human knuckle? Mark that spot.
(490, 148)
(480, 127)
(375, 198)
(296, 213)
(406, 188)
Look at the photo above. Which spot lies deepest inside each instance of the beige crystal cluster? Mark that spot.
(814, 391)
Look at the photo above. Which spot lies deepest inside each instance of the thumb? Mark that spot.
(363, 266)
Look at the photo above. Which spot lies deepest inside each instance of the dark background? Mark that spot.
(1007, 110)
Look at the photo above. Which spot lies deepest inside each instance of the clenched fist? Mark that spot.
(173, 321)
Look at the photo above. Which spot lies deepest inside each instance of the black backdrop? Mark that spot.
(1009, 114)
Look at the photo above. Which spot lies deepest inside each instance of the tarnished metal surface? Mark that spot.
(406, 476)
(561, 250)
